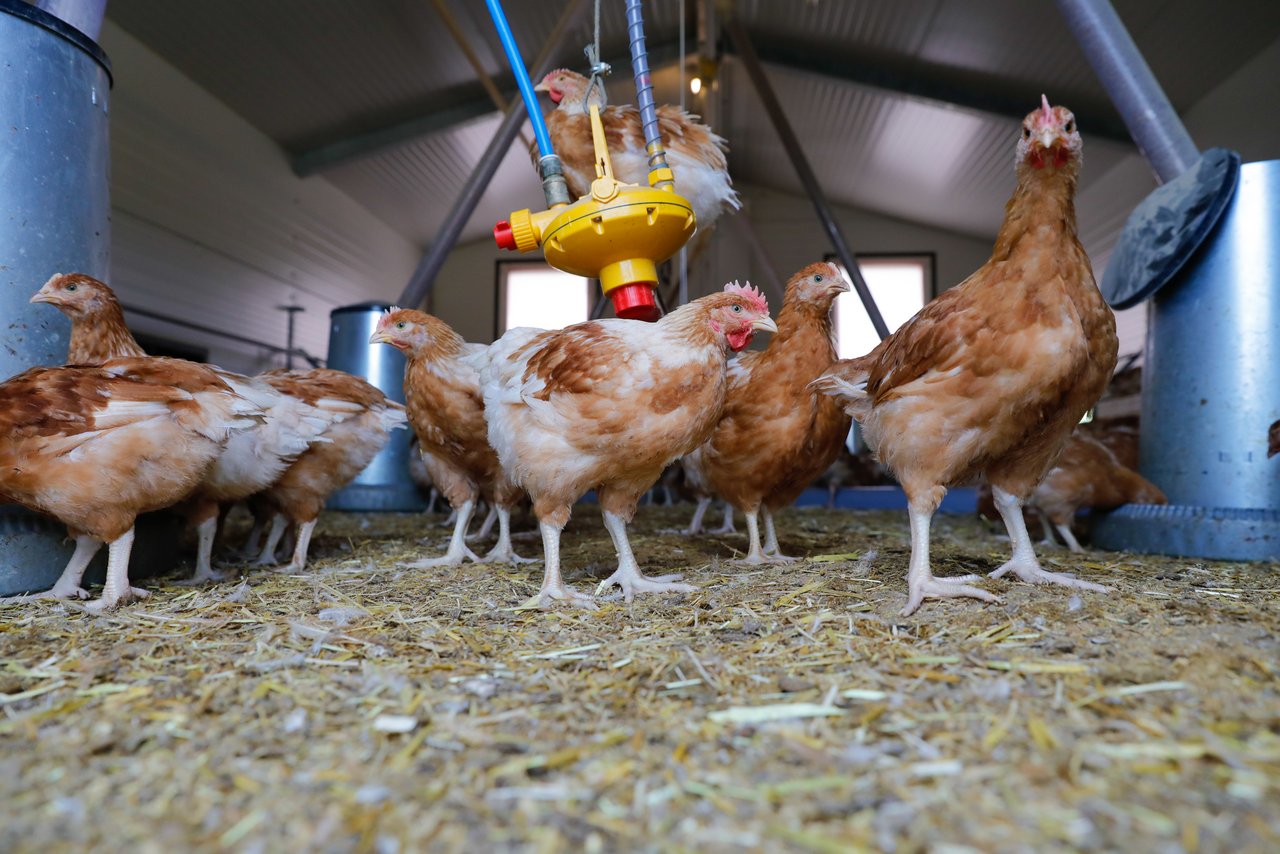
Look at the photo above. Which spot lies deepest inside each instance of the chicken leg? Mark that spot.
(553, 586)
(207, 530)
(68, 584)
(486, 527)
(458, 549)
(268, 556)
(695, 524)
(921, 583)
(503, 552)
(300, 548)
(771, 550)
(628, 575)
(117, 590)
(1023, 563)
(727, 526)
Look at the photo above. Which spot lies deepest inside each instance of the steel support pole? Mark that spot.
(424, 277)
(1151, 119)
(751, 62)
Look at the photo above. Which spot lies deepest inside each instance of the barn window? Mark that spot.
(901, 284)
(533, 293)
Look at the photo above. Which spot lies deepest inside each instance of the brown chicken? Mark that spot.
(1273, 440)
(446, 410)
(298, 495)
(992, 376)
(608, 404)
(1088, 475)
(776, 435)
(96, 446)
(694, 153)
(252, 460)
(695, 480)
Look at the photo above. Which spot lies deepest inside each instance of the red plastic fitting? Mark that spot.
(635, 302)
(503, 236)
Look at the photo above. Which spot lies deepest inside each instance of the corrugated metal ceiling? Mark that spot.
(309, 72)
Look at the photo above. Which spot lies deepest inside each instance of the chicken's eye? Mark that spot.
(1070, 127)
(72, 288)
(401, 325)
(1026, 133)
(818, 278)
(736, 309)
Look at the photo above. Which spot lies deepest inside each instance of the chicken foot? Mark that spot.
(756, 555)
(628, 575)
(458, 549)
(771, 550)
(553, 586)
(117, 590)
(68, 584)
(268, 556)
(300, 547)
(1023, 563)
(921, 582)
(503, 552)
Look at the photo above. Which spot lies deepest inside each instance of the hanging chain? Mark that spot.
(598, 68)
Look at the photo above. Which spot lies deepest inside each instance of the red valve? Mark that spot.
(503, 236)
(635, 302)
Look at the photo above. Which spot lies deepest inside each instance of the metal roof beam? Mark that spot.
(936, 84)
(926, 83)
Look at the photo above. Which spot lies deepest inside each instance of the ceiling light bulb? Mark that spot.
(695, 85)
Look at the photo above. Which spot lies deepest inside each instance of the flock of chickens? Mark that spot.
(987, 381)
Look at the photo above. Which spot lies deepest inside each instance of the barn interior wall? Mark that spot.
(209, 223)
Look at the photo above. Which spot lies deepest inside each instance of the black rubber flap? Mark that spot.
(1166, 229)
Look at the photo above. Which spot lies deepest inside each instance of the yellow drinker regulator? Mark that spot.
(618, 234)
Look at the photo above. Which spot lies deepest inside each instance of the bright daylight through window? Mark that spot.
(900, 286)
(535, 294)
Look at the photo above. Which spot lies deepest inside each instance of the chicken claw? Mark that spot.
(943, 588)
(563, 593)
(632, 582)
(109, 603)
(1032, 573)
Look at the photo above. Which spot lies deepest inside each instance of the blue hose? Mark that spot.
(644, 86)
(522, 78)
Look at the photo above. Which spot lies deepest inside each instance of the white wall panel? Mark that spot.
(210, 224)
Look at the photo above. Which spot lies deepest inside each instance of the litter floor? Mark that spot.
(363, 706)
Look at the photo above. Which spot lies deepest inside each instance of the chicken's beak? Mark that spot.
(380, 337)
(1048, 137)
(542, 87)
(43, 296)
(842, 287)
(764, 324)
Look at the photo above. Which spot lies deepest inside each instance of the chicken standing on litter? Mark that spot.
(776, 435)
(96, 446)
(252, 460)
(446, 410)
(607, 405)
(993, 375)
(299, 494)
(695, 153)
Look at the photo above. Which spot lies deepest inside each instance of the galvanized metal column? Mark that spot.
(1146, 111)
(54, 217)
(747, 54)
(1211, 378)
(424, 277)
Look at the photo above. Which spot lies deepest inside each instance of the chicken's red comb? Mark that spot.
(1046, 111)
(556, 71)
(751, 293)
